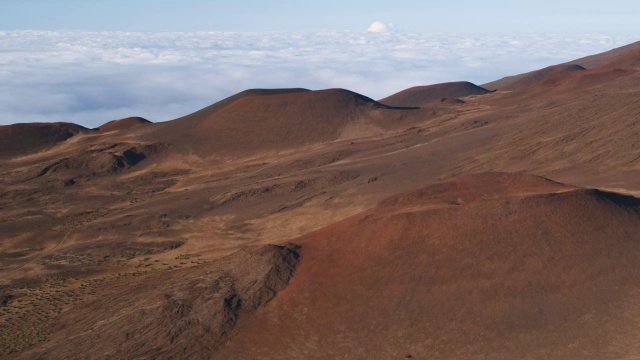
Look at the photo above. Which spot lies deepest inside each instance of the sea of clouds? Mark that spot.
(90, 78)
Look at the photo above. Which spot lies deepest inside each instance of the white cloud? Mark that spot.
(378, 27)
(91, 78)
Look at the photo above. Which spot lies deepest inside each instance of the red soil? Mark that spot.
(24, 139)
(493, 265)
(420, 96)
(124, 124)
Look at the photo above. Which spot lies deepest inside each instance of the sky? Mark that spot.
(89, 62)
(324, 15)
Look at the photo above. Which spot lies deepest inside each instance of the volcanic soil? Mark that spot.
(324, 224)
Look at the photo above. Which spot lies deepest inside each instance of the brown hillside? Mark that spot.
(489, 266)
(531, 78)
(211, 109)
(194, 310)
(627, 60)
(599, 59)
(588, 62)
(596, 77)
(124, 124)
(617, 69)
(25, 139)
(278, 121)
(567, 83)
(404, 251)
(420, 96)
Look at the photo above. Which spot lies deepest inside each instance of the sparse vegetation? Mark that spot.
(26, 319)
(81, 219)
(186, 256)
(27, 313)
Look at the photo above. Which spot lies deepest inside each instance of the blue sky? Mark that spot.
(336, 15)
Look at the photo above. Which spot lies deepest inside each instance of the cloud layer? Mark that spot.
(91, 78)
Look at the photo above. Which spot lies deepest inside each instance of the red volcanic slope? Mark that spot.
(599, 59)
(567, 78)
(25, 139)
(422, 95)
(124, 124)
(588, 62)
(211, 109)
(490, 266)
(583, 80)
(248, 123)
(523, 81)
(628, 60)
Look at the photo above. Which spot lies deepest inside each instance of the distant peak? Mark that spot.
(267, 92)
(123, 124)
(419, 96)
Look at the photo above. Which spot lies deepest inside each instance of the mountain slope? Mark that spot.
(599, 59)
(24, 139)
(531, 78)
(490, 265)
(252, 123)
(588, 62)
(195, 310)
(211, 109)
(627, 60)
(420, 96)
(124, 124)
(129, 231)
